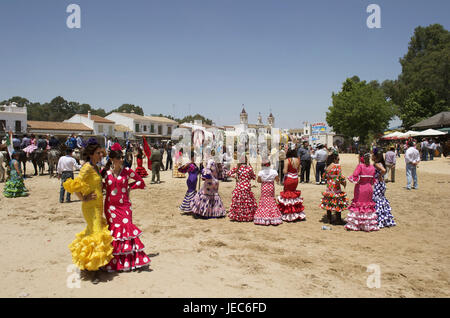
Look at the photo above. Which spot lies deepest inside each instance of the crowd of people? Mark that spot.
(110, 241)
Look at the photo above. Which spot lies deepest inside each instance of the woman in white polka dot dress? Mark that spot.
(128, 250)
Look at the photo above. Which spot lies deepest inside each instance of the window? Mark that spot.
(100, 128)
(145, 128)
(160, 130)
(2, 125)
(169, 130)
(18, 126)
(152, 128)
(137, 128)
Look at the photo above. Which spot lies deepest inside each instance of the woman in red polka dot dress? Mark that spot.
(267, 212)
(243, 203)
(128, 250)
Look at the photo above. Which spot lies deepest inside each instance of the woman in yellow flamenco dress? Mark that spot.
(92, 248)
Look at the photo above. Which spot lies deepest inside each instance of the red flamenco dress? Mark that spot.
(128, 250)
(243, 202)
(140, 170)
(290, 201)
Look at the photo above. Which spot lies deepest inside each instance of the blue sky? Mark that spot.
(205, 56)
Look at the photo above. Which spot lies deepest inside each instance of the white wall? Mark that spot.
(12, 114)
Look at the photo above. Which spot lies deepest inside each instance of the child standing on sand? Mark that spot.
(334, 199)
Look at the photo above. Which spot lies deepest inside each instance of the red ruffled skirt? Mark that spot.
(128, 250)
(291, 206)
(243, 205)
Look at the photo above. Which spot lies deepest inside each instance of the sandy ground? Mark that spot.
(219, 258)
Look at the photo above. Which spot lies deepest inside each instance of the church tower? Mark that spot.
(271, 120)
(244, 116)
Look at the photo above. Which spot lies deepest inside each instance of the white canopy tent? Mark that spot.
(431, 132)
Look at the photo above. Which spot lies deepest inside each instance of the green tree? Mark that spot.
(420, 105)
(360, 109)
(128, 108)
(426, 66)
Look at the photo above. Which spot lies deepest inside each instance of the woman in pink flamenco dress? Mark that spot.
(128, 250)
(362, 215)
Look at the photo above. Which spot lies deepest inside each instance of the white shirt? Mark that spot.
(267, 174)
(412, 155)
(320, 155)
(67, 163)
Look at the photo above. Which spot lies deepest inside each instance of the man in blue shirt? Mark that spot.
(16, 143)
(71, 142)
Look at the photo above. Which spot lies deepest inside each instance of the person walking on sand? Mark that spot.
(390, 159)
(155, 158)
(412, 159)
(65, 169)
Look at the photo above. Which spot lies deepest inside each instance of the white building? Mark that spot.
(156, 128)
(100, 126)
(14, 118)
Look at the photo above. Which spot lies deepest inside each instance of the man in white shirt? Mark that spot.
(320, 156)
(412, 159)
(66, 166)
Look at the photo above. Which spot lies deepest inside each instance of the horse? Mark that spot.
(53, 158)
(38, 158)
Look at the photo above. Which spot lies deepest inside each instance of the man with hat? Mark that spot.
(320, 156)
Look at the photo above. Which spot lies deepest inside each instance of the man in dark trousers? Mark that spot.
(169, 156)
(155, 158)
(304, 155)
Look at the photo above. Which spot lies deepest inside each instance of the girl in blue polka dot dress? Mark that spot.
(382, 205)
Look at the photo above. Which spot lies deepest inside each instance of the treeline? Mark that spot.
(422, 90)
(59, 109)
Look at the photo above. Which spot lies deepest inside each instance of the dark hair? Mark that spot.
(69, 151)
(89, 151)
(140, 154)
(379, 158)
(113, 154)
(331, 158)
(291, 153)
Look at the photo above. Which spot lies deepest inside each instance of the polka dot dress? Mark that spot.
(128, 250)
(243, 202)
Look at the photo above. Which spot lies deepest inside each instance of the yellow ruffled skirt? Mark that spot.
(92, 248)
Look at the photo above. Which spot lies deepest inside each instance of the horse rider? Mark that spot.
(26, 141)
(71, 142)
(53, 142)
